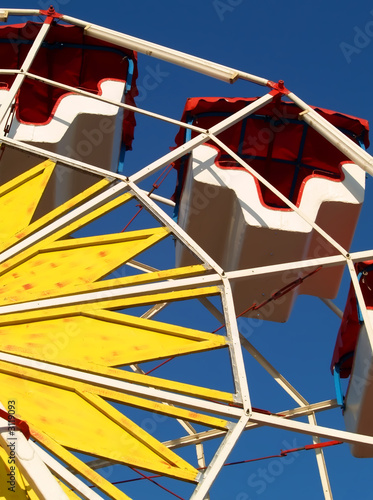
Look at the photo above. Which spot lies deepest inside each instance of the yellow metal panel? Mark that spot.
(57, 212)
(31, 494)
(76, 423)
(57, 269)
(145, 440)
(65, 231)
(119, 397)
(106, 338)
(85, 471)
(154, 298)
(20, 197)
(140, 279)
(63, 412)
(168, 385)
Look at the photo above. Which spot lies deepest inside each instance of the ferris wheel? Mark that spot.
(103, 336)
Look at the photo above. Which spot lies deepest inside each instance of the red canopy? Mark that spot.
(274, 141)
(350, 326)
(67, 56)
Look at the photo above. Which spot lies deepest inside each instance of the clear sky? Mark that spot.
(323, 51)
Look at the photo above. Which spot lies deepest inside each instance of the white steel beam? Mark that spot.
(126, 387)
(332, 307)
(135, 109)
(21, 75)
(201, 437)
(181, 235)
(216, 129)
(334, 136)
(176, 284)
(65, 475)
(10, 71)
(30, 464)
(220, 457)
(86, 167)
(188, 61)
(204, 66)
(20, 12)
(235, 351)
(321, 463)
(312, 430)
(217, 433)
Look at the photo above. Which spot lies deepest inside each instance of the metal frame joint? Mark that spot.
(51, 14)
(278, 88)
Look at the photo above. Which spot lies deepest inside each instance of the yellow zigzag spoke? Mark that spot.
(106, 338)
(84, 422)
(67, 414)
(103, 484)
(111, 395)
(20, 197)
(63, 264)
(64, 231)
(139, 279)
(55, 214)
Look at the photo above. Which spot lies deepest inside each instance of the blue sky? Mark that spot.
(323, 51)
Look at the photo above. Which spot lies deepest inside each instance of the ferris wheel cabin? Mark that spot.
(243, 223)
(54, 109)
(353, 360)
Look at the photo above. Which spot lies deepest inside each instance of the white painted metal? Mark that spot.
(10, 71)
(127, 387)
(321, 463)
(209, 476)
(235, 350)
(333, 307)
(312, 430)
(217, 433)
(161, 199)
(65, 475)
(197, 141)
(5, 105)
(145, 172)
(114, 102)
(20, 12)
(287, 388)
(177, 284)
(333, 135)
(181, 235)
(30, 464)
(308, 264)
(188, 61)
(280, 379)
